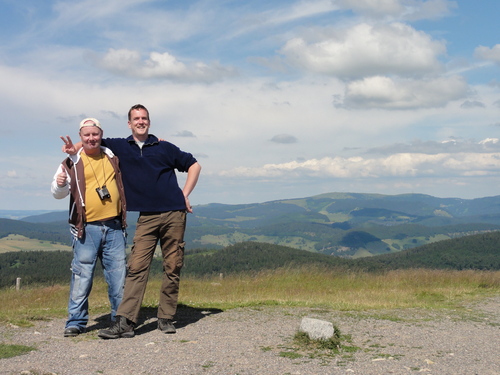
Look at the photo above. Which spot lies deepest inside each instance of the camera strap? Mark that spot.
(93, 171)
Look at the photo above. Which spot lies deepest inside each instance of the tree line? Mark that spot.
(479, 252)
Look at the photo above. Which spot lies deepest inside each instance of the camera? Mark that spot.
(103, 192)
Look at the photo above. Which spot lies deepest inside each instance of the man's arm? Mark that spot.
(68, 147)
(60, 184)
(192, 178)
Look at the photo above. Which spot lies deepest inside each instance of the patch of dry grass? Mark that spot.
(343, 291)
(311, 287)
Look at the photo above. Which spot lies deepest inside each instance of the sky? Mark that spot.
(276, 99)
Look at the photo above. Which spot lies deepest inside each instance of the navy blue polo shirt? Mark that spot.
(149, 173)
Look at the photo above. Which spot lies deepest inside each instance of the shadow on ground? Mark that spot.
(147, 321)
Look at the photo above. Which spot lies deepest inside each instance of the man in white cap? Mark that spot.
(97, 218)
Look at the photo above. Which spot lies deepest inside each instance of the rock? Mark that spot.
(317, 329)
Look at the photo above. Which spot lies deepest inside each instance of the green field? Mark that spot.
(16, 242)
(307, 286)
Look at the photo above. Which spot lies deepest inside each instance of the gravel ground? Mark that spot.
(259, 341)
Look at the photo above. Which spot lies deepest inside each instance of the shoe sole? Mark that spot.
(125, 335)
(167, 330)
(72, 334)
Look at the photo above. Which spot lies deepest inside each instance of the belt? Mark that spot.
(104, 221)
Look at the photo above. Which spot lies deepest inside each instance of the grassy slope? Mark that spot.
(252, 274)
(303, 286)
(16, 242)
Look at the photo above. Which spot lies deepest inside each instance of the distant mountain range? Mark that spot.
(20, 214)
(348, 225)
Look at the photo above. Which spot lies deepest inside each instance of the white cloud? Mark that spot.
(397, 165)
(160, 65)
(88, 11)
(489, 141)
(429, 9)
(489, 54)
(367, 50)
(302, 9)
(401, 9)
(388, 93)
(449, 146)
(275, 16)
(375, 8)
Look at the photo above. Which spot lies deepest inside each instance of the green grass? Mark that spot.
(7, 351)
(305, 287)
(33, 303)
(340, 290)
(17, 242)
(302, 346)
(332, 344)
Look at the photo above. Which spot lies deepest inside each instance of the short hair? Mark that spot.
(134, 107)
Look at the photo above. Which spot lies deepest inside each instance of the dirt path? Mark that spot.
(259, 341)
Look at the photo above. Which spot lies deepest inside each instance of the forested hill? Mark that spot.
(348, 225)
(57, 231)
(478, 252)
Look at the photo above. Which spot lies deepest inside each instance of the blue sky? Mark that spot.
(281, 99)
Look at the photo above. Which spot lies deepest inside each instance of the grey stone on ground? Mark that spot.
(317, 329)
(249, 341)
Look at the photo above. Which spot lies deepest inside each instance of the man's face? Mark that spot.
(91, 139)
(139, 123)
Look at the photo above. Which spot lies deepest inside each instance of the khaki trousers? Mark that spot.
(168, 228)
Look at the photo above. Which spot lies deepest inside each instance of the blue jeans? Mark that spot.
(104, 240)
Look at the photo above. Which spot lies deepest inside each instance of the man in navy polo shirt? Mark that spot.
(148, 169)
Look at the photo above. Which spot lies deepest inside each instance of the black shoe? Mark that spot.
(166, 325)
(122, 327)
(72, 332)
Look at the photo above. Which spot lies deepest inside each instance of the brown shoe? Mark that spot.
(122, 327)
(166, 325)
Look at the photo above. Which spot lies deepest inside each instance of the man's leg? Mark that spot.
(85, 251)
(114, 265)
(172, 246)
(145, 240)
